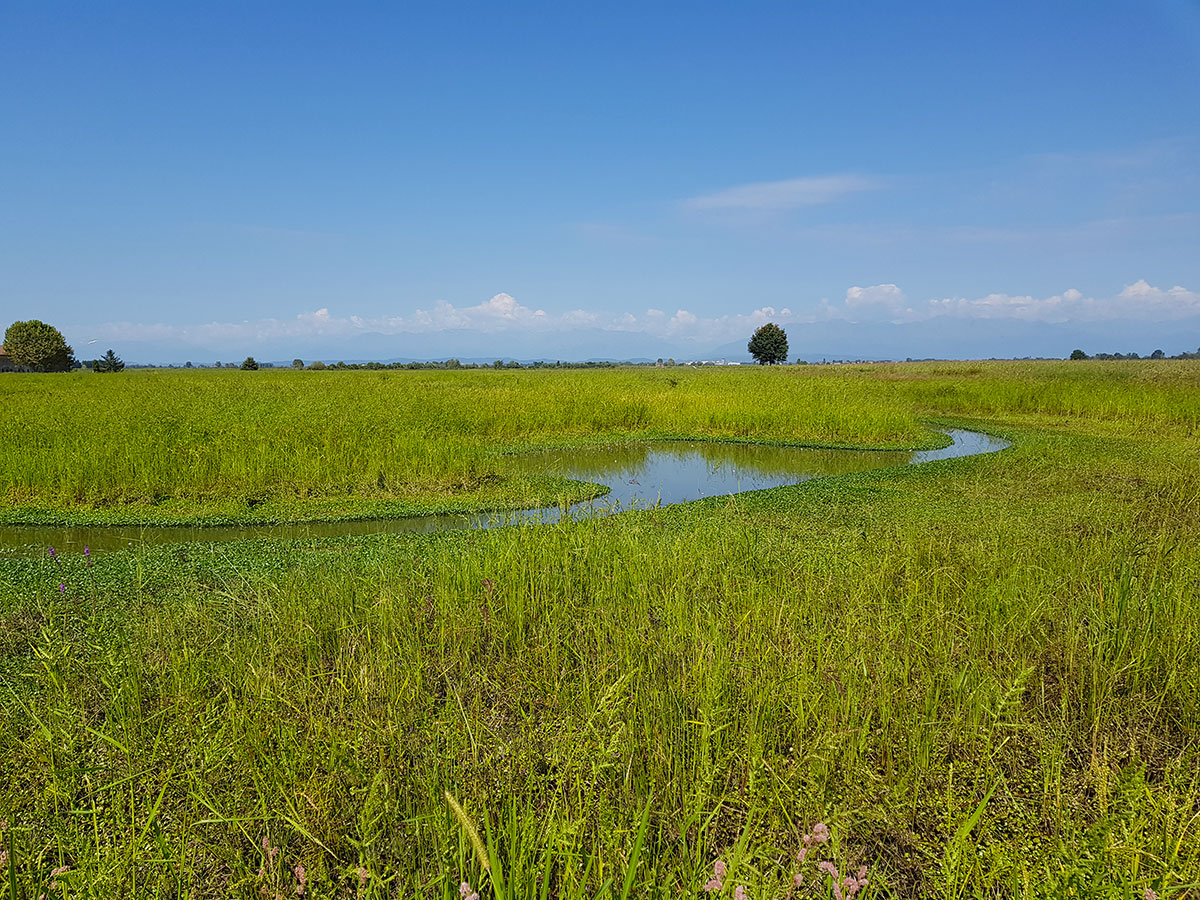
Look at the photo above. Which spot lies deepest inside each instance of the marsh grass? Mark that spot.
(982, 673)
(241, 446)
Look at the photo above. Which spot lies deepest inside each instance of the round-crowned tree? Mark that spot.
(38, 346)
(768, 345)
(249, 364)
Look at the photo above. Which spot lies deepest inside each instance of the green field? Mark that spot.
(982, 674)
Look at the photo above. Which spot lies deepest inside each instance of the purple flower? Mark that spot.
(87, 554)
(62, 588)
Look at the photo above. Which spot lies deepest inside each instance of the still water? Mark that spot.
(658, 473)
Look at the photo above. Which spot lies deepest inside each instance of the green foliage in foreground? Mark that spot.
(982, 674)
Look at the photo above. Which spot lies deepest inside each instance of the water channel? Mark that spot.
(656, 473)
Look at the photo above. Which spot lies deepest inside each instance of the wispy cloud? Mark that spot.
(792, 193)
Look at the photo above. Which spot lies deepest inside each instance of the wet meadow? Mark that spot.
(975, 677)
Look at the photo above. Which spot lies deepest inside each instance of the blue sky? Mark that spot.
(602, 179)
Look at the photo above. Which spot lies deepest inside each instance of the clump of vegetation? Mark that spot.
(249, 364)
(108, 363)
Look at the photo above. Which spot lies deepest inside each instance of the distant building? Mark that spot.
(6, 363)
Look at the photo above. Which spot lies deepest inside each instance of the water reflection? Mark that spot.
(638, 475)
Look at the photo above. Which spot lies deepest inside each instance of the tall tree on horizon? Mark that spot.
(768, 345)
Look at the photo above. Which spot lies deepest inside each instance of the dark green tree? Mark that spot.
(248, 364)
(297, 364)
(109, 362)
(1078, 354)
(768, 345)
(38, 346)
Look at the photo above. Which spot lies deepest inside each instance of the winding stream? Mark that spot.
(637, 475)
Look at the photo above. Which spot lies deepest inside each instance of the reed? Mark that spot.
(980, 674)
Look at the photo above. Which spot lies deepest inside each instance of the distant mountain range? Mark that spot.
(942, 338)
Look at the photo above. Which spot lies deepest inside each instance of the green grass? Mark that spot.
(167, 446)
(981, 673)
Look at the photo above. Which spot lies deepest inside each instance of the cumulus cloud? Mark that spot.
(879, 299)
(781, 195)
(1139, 301)
(503, 314)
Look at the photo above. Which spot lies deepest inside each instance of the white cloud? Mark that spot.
(879, 300)
(1139, 301)
(780, 195)
(503, 314)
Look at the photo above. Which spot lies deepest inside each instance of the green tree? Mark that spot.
(1078, 354)
(248, 364)
(317, 365)
(109, 362)
(38, 346)
(1158, 354)
(768, 345)
(297, 363)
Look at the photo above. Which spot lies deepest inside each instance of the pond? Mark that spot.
(657, 473)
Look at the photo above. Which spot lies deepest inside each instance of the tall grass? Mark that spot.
(153, 435)
(982, 673)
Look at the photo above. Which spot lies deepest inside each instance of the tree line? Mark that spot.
(1157, 354)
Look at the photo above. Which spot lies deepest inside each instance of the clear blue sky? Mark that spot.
(228, 176)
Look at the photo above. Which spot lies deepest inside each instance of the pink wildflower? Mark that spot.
(717, 882)
(362, 878)
(831, 870)
(464, 891)
(3, 858)
(739, 893)
(301, 877)
(797, 879)
(1150, 894)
